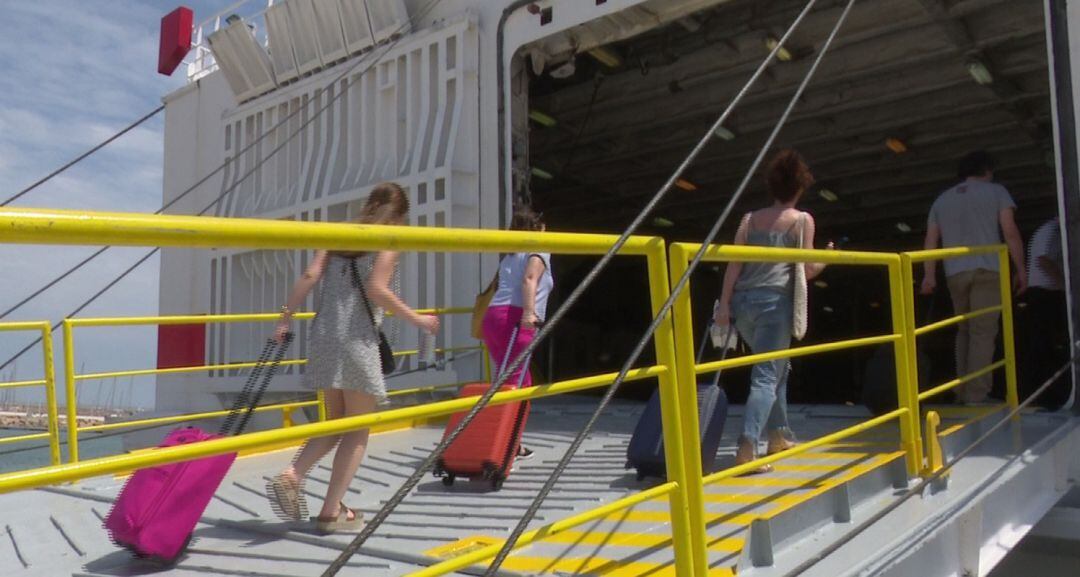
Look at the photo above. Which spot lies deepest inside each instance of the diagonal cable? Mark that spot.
(82, 156)
(548, 327)
(238, 153)
(661, 316)
(312, 118)
(920, 487)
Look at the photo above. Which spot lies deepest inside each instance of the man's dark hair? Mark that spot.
(977, 163)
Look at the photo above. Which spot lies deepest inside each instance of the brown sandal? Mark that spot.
(779, 446)
(286, 499)
(745, 454)
(347, 521)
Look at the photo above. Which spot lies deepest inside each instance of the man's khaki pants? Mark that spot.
(971, 291)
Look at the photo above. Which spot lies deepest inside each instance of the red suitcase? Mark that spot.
(487, 447)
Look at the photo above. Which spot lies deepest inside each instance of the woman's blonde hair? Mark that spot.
(387, 204)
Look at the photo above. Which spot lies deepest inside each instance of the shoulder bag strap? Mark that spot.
(359, 285)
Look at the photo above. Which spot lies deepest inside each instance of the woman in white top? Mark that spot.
(520, 301)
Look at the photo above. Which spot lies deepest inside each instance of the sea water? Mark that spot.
(23, 455)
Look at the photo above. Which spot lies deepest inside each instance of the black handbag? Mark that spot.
(386, 354)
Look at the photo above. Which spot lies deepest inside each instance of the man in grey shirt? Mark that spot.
(975, 212)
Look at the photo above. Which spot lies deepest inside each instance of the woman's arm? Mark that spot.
(534, 269)
(378, 289)
(299, 292)
(813, 269)
(731, 275)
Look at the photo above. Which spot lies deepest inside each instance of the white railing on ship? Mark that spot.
(200, 60)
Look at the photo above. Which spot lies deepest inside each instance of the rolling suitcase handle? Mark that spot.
(723, 355)
(248, 399)
(506, 359)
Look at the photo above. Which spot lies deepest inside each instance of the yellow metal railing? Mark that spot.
(687, 369)
(676, 369)
(68, 227)
(71, 378)
(910, 259)
(49, 382)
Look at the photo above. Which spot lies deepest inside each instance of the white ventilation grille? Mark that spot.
(356, 25)
(331, 38)
(387, 17)
(246, 65)
(401, 121)
(281, 43)
(302, 27)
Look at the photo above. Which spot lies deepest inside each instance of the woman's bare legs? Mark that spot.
(315, 449)
(350, 453)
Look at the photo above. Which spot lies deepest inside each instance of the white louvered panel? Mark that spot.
(331, 38)
(410, 96)
(432, 101)
(245, 63)
(281, 43)
(336, 155)
(388, 18)
(302, 27)
(294, 150)
(324, 136)
(401, 122)
(355, 24)
(228, 62)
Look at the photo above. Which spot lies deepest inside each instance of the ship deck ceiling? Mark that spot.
(57, 531)
(899, 69)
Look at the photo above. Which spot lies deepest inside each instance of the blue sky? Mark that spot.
(74, 72)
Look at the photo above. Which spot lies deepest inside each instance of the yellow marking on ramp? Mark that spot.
(828, 455)
(589, 566)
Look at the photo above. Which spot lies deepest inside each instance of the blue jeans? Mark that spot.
(763, 319)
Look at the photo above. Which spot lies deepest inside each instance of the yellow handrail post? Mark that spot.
(321, 396)
(679, 408)
(902, 297)
(934, 456)
(683, 531)
(69, 388)
(286, 417)
(50, 394)
(1007, 333)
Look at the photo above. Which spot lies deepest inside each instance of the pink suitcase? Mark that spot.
(157, 510)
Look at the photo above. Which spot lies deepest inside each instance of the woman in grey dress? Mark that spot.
(344, 357)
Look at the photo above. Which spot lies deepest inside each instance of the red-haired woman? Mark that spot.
(759, 297)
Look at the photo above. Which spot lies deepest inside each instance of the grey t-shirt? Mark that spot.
(967, 215)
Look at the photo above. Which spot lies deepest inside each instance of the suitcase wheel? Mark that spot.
(497, 482)
(490, 472)
(448, 480)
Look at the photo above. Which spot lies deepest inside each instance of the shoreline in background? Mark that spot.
(35, 420)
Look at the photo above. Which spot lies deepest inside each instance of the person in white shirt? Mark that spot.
(1045, 315)
(524, 283)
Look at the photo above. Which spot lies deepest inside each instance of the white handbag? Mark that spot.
(799, 304)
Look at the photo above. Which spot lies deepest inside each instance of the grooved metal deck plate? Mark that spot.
(58, 531)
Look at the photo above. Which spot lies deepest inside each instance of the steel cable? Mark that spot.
(508, 546)
(82, 156)
(313, 117)
(546, 329)
(933, 477)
